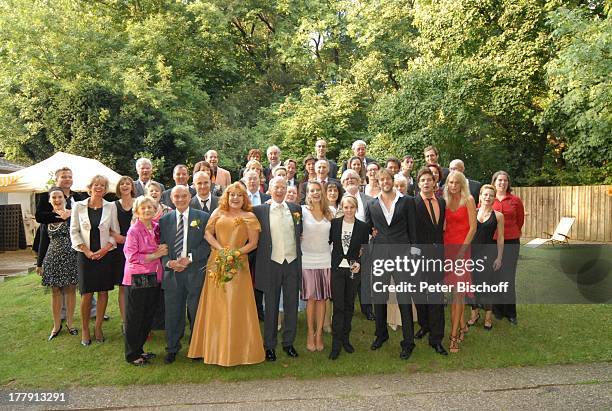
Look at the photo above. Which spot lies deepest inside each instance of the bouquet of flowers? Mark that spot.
(228, 264)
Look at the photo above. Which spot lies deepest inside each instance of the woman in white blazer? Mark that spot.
(91, 224)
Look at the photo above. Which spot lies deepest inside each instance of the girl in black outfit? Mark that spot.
(347, 235)
(488, 221)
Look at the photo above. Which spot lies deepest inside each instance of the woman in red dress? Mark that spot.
(460, 227)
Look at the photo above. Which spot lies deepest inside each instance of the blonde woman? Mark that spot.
(459, 230)
(154, 190)
(256, 166)
(91, 224)
(316, 262)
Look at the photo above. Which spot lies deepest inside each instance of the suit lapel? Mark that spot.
(266, 221)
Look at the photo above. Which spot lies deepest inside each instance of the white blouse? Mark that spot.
(316, 250)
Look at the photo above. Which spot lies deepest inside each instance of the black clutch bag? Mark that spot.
(147, 280)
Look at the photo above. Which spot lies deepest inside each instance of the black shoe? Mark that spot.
(406, 353)
(170, 358)
(54, 333)
(148, 355)
(420, 334)
(488, 327)
(378, 342)
(370, 317)
(439, 349)
(513, 320)
(73, 331)
(348, 347)
(270, 355)
(334, 354)
(291, 352)
(498, 316)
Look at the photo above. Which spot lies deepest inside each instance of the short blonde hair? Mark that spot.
(96, 179)
(140, 201)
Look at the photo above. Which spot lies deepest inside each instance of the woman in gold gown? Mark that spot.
(226, 330)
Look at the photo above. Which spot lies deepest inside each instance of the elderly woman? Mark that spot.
(254, 165)
(91, 224)
(59, 266)
(514, 216)
(142, 277)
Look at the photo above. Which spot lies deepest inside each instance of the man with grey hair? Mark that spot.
(322, 170)
(359, 150)
(144, 169)
(220, 176)
(274, 159)
(473, 185)
(180, 175)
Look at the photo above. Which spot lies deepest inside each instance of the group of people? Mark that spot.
(224, 255)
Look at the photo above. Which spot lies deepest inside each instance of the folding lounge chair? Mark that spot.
(560, 235)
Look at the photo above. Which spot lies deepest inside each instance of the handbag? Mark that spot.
(146, 280)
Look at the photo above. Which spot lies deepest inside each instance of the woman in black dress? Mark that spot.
(90, 231)
(488, 221)
(347, 234)
(123, 213)
(59, 265)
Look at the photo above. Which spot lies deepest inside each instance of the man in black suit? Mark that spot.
(321, 150)
(251, 180)
(322, 170)
(473, 185)
(432, 155)
(430, 212)
(274, 159)
(180, 174)
(203, 199)
(359, 150)
(279, 265)
(392, 216)
(144, 169)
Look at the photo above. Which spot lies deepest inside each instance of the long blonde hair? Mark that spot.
(324, 202)
(465, 191)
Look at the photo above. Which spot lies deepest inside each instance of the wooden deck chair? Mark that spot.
(560, 236)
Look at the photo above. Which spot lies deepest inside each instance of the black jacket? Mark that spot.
(359, 237)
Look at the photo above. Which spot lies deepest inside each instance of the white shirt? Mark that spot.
(185, 229)
(389, 213)
(282, 233)
(316, 251)
(205, 201)
(360, 214)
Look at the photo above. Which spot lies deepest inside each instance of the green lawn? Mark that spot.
(546, 334)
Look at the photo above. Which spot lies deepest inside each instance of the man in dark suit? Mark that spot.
(430, 212)
(322, 170)
(203, 200)
(251, 180)
(321, 150)
(274, 159)
(392, 216)
(279, 265)
(359, 150)
(183, 231)
(180, 174)
(144, 169)
(473, 185)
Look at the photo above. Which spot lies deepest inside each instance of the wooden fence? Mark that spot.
(590, 205)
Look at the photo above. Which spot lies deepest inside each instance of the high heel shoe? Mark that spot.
(454, 344)
(471, 322)
(319, 341)
(54, 333)
(100, 339)
(73, 331)
(85, 343)
(310, 344)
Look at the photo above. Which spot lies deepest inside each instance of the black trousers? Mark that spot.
(343, 290)
(431, 319)
(380, 310)
(140, 309)
(510, 260)
(365, 308)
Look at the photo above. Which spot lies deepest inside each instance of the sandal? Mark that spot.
(319, 341)
(310, 344)
(454, 344)
(73, 331)
(139, 362)
(472, 321)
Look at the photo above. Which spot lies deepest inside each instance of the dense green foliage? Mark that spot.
(521, 85)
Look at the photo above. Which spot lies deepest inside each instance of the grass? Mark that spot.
(547, 334)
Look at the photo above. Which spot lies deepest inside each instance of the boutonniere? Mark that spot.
(194, 223)
(296, 217)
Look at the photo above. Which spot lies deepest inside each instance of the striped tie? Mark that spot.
(178, 242)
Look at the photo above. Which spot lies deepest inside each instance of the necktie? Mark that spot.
(178, 242)
(204, 207)
(431, 210)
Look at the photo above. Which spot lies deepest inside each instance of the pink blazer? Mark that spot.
(139, 242)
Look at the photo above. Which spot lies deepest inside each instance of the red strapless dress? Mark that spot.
(457, 227)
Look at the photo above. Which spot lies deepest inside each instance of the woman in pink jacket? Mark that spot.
(142, 278)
